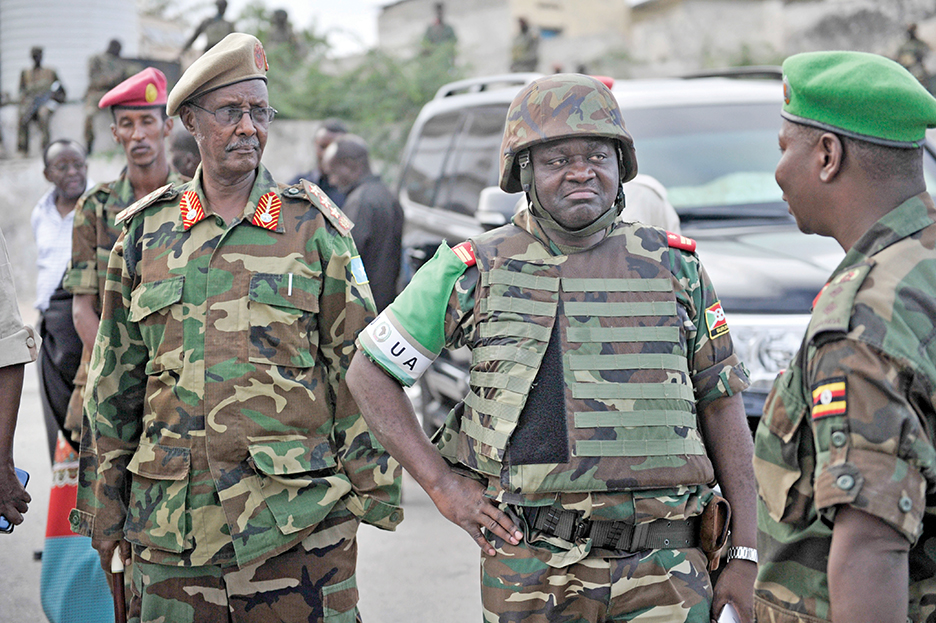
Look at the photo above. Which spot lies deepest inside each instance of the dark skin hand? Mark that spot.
(391, 418)
(868, 569)
(105, 549)
(729, 445)
(14, 501)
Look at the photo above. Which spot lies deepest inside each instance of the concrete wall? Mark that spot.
(71, 31)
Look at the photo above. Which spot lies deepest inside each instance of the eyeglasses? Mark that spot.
(231, 115)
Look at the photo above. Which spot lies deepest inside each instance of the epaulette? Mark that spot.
(160, 193)
(832, 309)
(325, 205)
(465, 253)
(678, 241)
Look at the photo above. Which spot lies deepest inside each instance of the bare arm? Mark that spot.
(391, 418)
(868, 569)
(729, 444)
(85, 318)
(13, 497)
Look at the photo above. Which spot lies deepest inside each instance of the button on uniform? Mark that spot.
(845, 482)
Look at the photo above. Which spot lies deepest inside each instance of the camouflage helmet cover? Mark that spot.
(562, 106)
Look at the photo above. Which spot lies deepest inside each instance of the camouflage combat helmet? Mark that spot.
(556, 107)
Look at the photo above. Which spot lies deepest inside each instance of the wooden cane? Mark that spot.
(117, 573)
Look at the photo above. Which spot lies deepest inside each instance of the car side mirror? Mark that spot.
(495, 207)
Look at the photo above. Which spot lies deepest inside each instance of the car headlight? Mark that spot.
(766, 344)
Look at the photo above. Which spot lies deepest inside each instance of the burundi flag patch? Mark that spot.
(828, 398)
(715, 320)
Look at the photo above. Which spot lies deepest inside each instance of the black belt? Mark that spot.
(569, 525)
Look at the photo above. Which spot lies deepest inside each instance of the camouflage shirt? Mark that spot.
(224, 428)
(852, 421)
(440, 309)
(95, 232)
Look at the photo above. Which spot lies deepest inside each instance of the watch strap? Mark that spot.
(744, 553)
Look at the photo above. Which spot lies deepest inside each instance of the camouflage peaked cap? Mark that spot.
(562, 106)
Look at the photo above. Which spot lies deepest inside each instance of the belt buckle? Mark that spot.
(581, 529)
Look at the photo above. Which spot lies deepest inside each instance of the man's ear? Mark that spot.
(187, 117)
(167, 129)
(45, 173)
(832, 153)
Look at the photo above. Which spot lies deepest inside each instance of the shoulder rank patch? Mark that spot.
(160, 193)
(465, 253)
(680, 242)
(325, 205)
(715, 320)
(828, 398)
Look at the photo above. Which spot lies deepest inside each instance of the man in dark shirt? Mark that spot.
(327, 132)
(377, 215)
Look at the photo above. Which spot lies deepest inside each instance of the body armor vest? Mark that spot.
(580, 381)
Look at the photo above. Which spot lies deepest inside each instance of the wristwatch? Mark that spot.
(744, 553)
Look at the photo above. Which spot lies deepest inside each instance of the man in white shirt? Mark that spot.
(52, 218)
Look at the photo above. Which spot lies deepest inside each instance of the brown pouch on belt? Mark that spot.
(713, 530)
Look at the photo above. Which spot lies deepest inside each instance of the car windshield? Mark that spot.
(717, 158)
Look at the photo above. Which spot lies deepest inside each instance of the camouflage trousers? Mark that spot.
(664, 585)
(309, 583)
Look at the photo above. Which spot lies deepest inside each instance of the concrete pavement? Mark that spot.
(425, 572)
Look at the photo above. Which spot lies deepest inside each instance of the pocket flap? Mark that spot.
(148, 298)
(160, 462)
(296, 456)
(276, 290)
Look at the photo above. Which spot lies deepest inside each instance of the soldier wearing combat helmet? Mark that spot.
(604, 391)
(230, 454)
(844, 453)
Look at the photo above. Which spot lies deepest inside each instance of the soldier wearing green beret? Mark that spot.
(230, 456)
(844, 454)
(604, 397)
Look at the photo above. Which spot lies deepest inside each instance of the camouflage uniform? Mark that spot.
(94, 234)
(852, 421)
(105, 71)
(35, 104)
(225, 434)
(602, 421)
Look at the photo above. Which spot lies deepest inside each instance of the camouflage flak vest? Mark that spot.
(580, 381)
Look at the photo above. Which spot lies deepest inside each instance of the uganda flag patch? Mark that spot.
(828, 398)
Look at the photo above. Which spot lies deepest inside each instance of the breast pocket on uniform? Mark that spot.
(283, 312)
(157, 307)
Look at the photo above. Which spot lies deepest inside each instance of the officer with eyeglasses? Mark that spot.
(232, 465)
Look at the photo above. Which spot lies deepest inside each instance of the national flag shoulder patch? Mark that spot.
(828, 398)
(357, 270)
(465, 253)
(715, 320)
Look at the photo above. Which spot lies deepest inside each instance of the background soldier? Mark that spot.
(524, 52)
(845, 457)
(215, 29)
(230, 453)
(377, 215)
(105, 71)
(604, 391)
(325, 135)
(140, 127)
(40, 92)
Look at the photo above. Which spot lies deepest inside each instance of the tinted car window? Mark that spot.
(424, 170)
(709, 156)
(474, 162)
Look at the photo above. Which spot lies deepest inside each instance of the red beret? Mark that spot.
(142, 90)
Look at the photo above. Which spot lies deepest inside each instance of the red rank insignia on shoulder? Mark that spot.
(465, 253)
(680, 242)
(268, 210)
(829, 398)
(191, 208)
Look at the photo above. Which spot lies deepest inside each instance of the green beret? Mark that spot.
(236, 58)
(860, 95)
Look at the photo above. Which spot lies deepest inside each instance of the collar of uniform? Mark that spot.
(905, 220)
(525, 220)
(119, 193)
(193, 207)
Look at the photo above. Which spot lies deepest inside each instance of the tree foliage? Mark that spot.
(379, 95)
